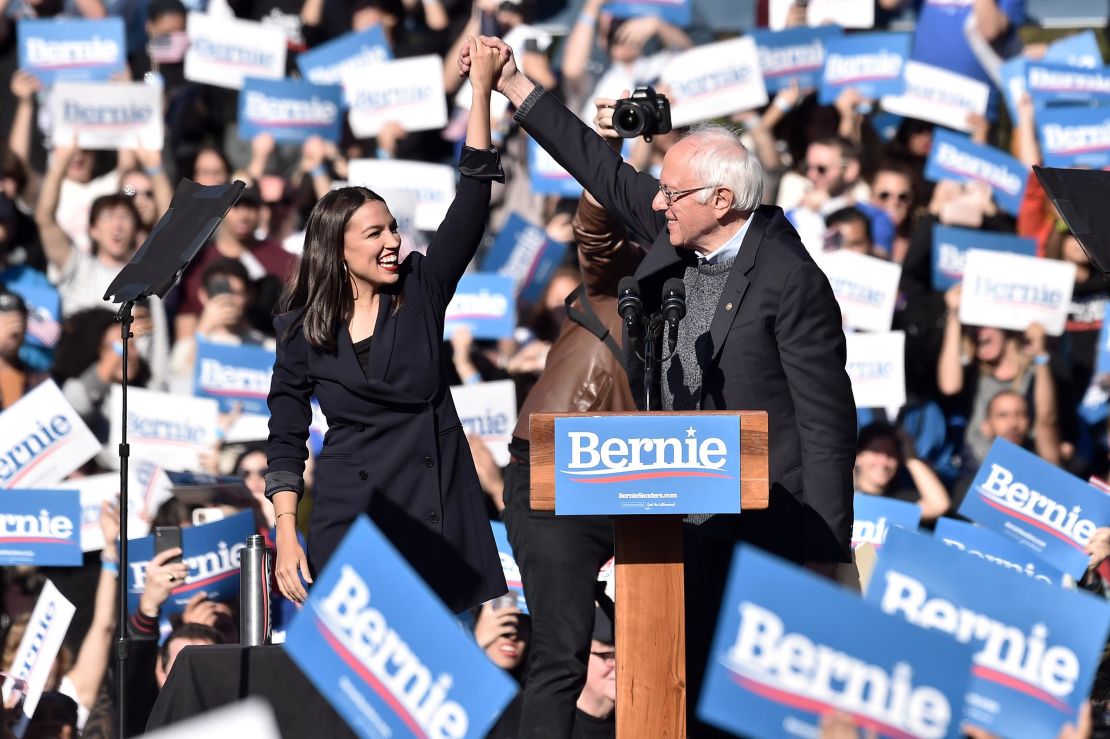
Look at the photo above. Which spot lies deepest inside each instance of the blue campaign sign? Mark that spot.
(1078, 50)
(1059, 84)
(1012, 72)
(791, 647)
(661, 464)
(212, 554)
(1075, 137)
(1102, 358)
(871, 63)
(234, 374)
(484, 304)
(1037, 504)
(996, 549)
(793, 55)
(1035, 656)
(676, 12)
(956, 157)
(547, 176)
(508, 564)
(387, 654)
(40, 527)
(875, 515)
(950, 247)
(290, 110)
(326, 64)
(74, 50)
(524, 253)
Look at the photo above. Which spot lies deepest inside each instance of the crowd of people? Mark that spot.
(71, 218)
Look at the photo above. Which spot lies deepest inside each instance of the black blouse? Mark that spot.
(362, 351)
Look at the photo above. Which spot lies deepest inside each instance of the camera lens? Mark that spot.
(630, 119)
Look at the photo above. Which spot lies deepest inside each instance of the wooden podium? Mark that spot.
(651, 617)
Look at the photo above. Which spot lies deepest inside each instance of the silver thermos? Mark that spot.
(254, 593)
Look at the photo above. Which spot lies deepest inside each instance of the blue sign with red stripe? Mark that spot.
(1035, 656)
(874, 516)
(870, 63)
(524, 253)
(74, 50)
(211, 552)
(996, 549)
(483, 304)
(290, 110)
(234, 374)
(648, 463)
(676, 12)
(791, 647)
(508, 564)
(40, 527)
(387, 654)
(1038, 505)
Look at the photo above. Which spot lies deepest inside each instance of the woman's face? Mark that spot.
(507, 650)
(989, 344)
(893, 192)
(920, 143)
(253, 469)
(876, 465)
(209, 169)
(109, 344)
(371, 245)
(142, 195)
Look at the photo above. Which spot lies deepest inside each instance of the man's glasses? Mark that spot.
(902, 197)
(672, 195)
(606, 656)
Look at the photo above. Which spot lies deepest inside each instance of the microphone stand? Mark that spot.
(123, 640)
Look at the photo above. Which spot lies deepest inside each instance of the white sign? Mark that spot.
(406, 91)
(876, 366)
(95, 489)
(1012, 291)
(939, 96)
(488, 410)
(434, 185)
(865, 287)
(843, 13)
(224, 51)
(107, 115)
(251, 717)
(42, 439)
(169, 429)
(34, 660)
(714, 80)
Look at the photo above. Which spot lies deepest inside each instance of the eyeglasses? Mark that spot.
(247, 472)
(820, 169)
(672, 195)
(608, 656)
(903, 197)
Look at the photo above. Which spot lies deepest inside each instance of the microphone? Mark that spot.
(674, 309)
(630, 307)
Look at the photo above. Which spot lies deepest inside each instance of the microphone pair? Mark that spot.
(630, 307)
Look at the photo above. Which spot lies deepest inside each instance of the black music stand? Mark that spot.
(1080, 197)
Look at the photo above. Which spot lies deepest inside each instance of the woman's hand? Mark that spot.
(493, 623)
(109, 527)
(485, 65)
(160, 581)
(290, 566)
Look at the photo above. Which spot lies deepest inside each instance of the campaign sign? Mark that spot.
(865, 287)
(675, 12)
(875, 515)
(508, 564)
(289, 110)
(432, 184)
(956, 157)
(211, 552)
(1078, 50)
(950, 247)
(791, 647)
(386, 653)
(1037, 504)
(40, 527)
(870, 63)
(225, 51)
(548, 176)
(1102, 358)
(1059, 84)
(523, 253)
(42, 439)
(328, 64)
(488, 410)
(1012, 72)
(406, 91)
(108, 115)
(1075, 137)
(792, 55)
(1035, 656)
(609, 465)
(34, 660)
(252, 717)
(714, 80)
(54, 50)
(483, 303)
(876, 365)
(1012, 291)
(95, 490)
(825, 13)
(938, 95)
(997, 549)
(170, 429)
(234, 374)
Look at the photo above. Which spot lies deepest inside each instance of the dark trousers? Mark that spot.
(559, 560)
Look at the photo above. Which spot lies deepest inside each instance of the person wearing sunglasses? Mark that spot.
(892, 191)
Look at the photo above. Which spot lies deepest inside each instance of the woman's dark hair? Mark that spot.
(254, 447)
(79, 345)
(875, 431)
(215, 150)
(320, 284)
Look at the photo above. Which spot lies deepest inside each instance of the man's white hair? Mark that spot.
(720, 159)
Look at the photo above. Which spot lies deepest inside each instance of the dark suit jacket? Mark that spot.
(777, 340)
(395, 448)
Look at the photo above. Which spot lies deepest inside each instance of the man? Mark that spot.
(595, 718)
(850, 230)
(762, 332)
(16, 378)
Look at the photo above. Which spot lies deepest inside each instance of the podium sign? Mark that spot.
(673, 464)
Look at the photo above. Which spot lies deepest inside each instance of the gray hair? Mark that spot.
(720, 159)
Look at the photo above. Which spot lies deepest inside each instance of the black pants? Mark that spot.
(559, 560)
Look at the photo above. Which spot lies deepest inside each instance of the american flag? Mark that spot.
(43, 326)
(169, 48)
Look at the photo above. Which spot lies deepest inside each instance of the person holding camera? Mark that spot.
(762, 331)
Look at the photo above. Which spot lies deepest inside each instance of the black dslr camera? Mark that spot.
(645, 113)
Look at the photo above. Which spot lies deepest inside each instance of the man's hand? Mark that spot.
(109, 527)
(1037, 338)
(200, 610)
(603, 120)
(497, 623)
(508, 62)
(25, 85)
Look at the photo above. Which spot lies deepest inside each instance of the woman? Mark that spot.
(362, 331)
(883, 452)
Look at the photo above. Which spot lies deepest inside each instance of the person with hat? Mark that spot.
(595, 717)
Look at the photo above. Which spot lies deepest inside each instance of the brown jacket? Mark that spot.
(581, 374)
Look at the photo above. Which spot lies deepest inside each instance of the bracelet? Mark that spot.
(1041, 359)
(782, 105)
(587, 19)
(153, 171)
(285, 513)
(112, 567)
(318, 171)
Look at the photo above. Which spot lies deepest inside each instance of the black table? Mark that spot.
(207, 677)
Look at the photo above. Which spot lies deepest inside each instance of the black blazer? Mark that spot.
(778, 345)
(395, 448)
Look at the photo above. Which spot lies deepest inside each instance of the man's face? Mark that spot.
(893, 192)
(80, 167)
(242, 220)
(175, 648)
(114, 231)
(826, 169)
(601, 671)
(1008, 418)
(13, 327)
(853, 237)
(688, 221)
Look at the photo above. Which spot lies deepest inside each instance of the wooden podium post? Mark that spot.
(651, 609)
